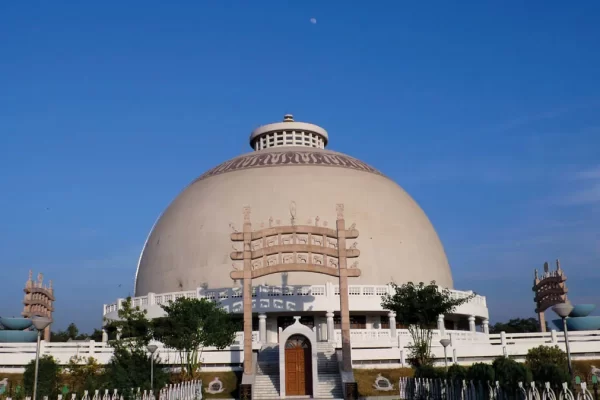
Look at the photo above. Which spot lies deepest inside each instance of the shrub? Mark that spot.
(131, 369)
(481, 372)
(509, 372)
(456, 373)
(429, 372)
(548, 364)
(48, 377)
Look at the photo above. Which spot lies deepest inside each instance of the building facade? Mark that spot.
(296, 238)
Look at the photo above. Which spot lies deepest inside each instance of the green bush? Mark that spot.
(481, 372)
(131, 369)
(48, 377)
(509, 372)
(456, 373)
(548, 364)
(430, 372)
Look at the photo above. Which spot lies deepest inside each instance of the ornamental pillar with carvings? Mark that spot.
(486, 326)
(440, 325)
(392, 317)
(262, 328)
(471, 323)
(330, 327)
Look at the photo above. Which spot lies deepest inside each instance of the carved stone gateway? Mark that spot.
(295, 248)
(550, 289)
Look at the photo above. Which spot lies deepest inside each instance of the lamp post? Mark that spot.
(152, 349)
(445, 342)
(563, 310)
(39, 324)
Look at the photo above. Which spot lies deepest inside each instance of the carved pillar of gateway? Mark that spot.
(296, 248)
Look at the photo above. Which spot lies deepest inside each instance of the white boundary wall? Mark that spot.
(372, 348)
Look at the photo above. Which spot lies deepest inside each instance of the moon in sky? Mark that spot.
(313, 21)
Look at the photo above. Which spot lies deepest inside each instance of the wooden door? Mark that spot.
(297, 366)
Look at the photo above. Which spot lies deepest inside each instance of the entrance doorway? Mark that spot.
(298, 366)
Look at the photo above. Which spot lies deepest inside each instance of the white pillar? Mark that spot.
(472, 323)
(330, 330)
(553, 336)
(119, 330)
(104, 336)
(486, 326)
(262, 328)
(441, 326)
(392, 317)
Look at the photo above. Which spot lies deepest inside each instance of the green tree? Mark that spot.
(481, 372)
(48, 375)
(418, 307)
(517, 325)
(457, 373)
(129, 366)
(84, 374)
(509, 373)
(72, 333)
(192, 324)
(548, 364)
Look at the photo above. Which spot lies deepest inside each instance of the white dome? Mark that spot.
(190, 245)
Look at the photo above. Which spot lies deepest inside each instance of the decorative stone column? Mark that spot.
(119, 330)
(104, 336)
(392, 317)
(486, 326)
(330, 327)
(471, 323)
(440, 325)
(262, 328)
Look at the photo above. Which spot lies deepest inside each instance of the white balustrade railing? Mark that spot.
(303, 292)
(368, 345)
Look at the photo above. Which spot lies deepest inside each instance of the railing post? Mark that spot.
(553, 337)
(92, 348)
(151, 299)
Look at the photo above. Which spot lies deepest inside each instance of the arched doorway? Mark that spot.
(298, 369)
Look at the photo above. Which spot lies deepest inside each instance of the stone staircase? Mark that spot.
(330, 382)
(266, 381)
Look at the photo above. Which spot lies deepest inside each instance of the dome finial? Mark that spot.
(288, 118)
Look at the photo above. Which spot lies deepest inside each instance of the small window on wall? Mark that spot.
(385, 323)
(356, 322)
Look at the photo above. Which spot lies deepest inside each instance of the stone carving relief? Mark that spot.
(256, 245)
(271, 260)
(332, 243)
(215, 386)
(272, 241)
(257, 264)
(317, 240)
(302, 258)
(332, 262)
(288, 258)
(317, 259)
(257, 160)
(302, 239)
(354, 246)
(287, 239)
(383, 383)
(354, 264)
(317, 221)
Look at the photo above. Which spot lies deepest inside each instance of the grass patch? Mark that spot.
(366, 379)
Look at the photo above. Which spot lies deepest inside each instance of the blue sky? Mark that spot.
(487, 113)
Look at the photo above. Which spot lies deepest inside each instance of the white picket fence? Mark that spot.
(438, 389)
(182, 391)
